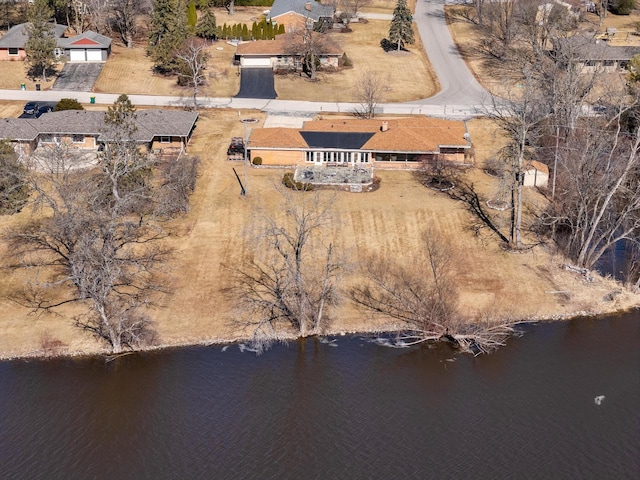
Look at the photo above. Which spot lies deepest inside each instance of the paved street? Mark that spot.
(461, 95)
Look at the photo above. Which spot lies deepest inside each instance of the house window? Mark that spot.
(13, 52)
(308, 157)
(609, 63)
(77, 138)
(590, 63)
(165, 139)
(364, 157)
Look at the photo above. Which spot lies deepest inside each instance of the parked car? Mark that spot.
(43, 109)
(31, 108)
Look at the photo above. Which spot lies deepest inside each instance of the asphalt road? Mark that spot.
(459, 86)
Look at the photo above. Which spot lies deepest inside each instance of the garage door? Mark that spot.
(94, 55)
(77, 55)
(256, 62)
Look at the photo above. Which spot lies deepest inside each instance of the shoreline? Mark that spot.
(39, 355)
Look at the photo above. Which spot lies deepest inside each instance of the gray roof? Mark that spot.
(150, 124)
(589, 49)
(315, 12)
(101, 40)
(17, 35)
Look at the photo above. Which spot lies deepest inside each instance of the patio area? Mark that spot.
(335, 175)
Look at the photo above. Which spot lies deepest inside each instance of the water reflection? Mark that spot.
(355, 410)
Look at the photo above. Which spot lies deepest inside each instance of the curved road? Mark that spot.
(459, 86)
(460, 97)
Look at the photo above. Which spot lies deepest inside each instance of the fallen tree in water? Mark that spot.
(423, 296)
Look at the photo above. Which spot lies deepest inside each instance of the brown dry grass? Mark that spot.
(11, 109)
(130, 70)
(407, 75)
(465, 34)
(388, 221)
(12, 74)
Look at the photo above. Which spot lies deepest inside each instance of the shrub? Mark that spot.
(346, 61)
(289, 182)
(257, 161)
(68, 104)
(622, 7)
(386, 45)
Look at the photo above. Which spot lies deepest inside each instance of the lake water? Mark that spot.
(352, 409)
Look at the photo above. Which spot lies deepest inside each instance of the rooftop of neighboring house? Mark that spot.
(418, 134)
(306, 8)
(279, 46)
(86, 39)
(149, 123)
(18, 35)
(586, 48)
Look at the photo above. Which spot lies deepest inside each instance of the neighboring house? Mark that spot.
(536, 174)
(598, 55)
(298, 14)
(86, 47)
(12, 43)
(161, 131)
(393, 143)
(277, 54)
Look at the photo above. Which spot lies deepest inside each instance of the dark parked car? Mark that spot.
(31, 108)
(43, 109)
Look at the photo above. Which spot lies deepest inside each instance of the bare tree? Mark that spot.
(422, 295)
(369, 92)
(193, 59)
(95, 240)
(351, 7)
(598, 195)
(288, 285)
(499, 27)
(308, 45)
(125, 16)
(520, 117)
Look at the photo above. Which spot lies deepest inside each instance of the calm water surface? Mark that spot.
(357, 410)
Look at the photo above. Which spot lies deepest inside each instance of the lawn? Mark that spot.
(407, 75)
(130, 70)
(491, 73)
(209, 242)
(12, 74)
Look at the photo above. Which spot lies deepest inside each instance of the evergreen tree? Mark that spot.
(401, 28)
(167, 33)
(245, 32)
(280, 29)
(192, 16)
(41, 43)
(255, 31)
(206, 27)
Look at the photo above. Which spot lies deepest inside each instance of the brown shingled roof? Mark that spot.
(276, 138)
(417, 134)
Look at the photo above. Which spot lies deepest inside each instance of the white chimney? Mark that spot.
(307, 6)
(384, 127)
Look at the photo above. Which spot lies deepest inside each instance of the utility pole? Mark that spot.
(555, 164)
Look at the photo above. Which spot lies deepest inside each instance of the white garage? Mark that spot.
(87, 47)
(256, 62)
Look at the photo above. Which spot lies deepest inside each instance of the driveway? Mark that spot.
(78, 77)
(256, 83)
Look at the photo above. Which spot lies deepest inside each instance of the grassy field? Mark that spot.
(12, 74)
(406, 75)
(491, 73)
(388, 221)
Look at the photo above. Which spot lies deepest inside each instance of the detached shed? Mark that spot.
(536, 174)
